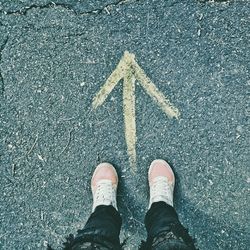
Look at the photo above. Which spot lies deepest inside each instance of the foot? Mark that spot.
(161, 182)
(104, 185)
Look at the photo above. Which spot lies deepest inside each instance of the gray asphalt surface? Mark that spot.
(54, 57)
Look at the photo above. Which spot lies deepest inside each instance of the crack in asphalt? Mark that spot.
(214, 1)
(69, 7)
(2, 47)
(24, 11)
(107, 7)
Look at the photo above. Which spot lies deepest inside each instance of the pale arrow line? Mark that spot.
(152, 90)
(113, 79)
(129, 116)
(129, 70)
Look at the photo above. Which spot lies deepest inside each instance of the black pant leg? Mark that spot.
(165, 230)
(100, 232)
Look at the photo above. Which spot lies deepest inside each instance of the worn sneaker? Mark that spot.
(104, 185)
(161, 182)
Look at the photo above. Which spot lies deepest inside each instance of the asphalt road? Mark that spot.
(54, 57)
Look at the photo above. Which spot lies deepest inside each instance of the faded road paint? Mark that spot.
(129, 70)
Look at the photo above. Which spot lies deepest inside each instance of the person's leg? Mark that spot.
(103, 226)
(165, 230)
(163, 226)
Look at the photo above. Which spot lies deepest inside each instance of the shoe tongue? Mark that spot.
(161, 190)
(162, 178)
(105, 181)
(104, 194)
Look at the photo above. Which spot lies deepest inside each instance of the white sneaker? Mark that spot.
(161, 182)
(104, 185)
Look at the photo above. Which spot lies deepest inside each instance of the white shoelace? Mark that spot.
(105, 194)
(161, 190)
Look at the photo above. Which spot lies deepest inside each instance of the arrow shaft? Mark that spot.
(129, 117)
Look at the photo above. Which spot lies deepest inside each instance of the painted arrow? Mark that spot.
(129, 70)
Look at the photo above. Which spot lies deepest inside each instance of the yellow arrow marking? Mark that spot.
(129, 116)
(129, 70)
